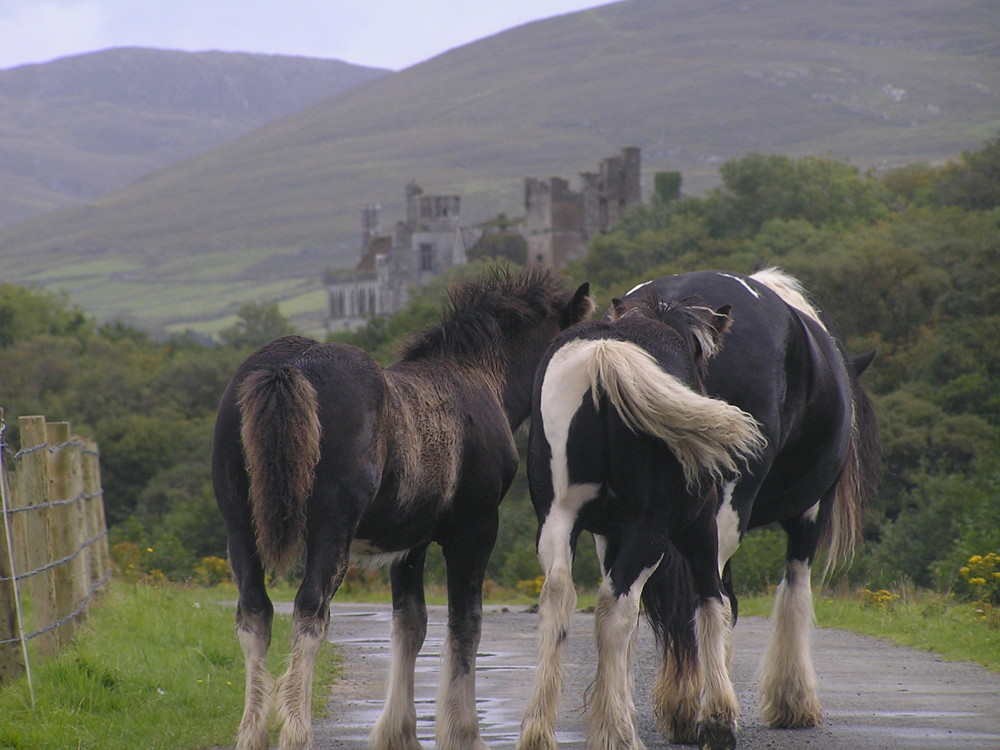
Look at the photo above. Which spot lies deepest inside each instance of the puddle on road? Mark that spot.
(499, 703)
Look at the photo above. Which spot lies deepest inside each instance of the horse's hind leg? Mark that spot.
(396, 728)
(713, 628)
(676, 694)
(466, 554)
(254, 614)
(327, 558)
(310, 621)
(555, 613)
(612, 722)
(789, 696)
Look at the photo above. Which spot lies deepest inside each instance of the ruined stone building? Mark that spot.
(422, 247)
(560, 221)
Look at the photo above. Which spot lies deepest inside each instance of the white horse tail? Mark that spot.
(704, 434)
(790, 290)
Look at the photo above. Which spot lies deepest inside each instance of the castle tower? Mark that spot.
(369, 226)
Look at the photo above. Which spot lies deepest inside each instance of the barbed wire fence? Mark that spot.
(54, 553)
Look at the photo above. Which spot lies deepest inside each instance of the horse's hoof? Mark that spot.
(680, 731)
(714, 734)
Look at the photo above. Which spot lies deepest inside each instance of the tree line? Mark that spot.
(907, 262)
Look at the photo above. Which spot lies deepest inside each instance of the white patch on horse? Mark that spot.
(559, 404)
(749, 288)
(812, 513)
(728, 522)
(601, 548)
(637, 287)
(367, 555)
(553, 540)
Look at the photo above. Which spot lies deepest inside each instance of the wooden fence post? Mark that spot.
(11, 654)
(32, 488)
(65, 484)
(98, 553)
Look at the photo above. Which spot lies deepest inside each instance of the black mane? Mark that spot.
(489, 310)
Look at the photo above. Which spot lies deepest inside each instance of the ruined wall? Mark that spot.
(559, 221)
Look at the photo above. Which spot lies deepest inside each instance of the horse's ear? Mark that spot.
(580, 307)
(862, 362)
(617, 309)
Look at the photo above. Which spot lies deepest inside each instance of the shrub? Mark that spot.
(982, 575)
(531, 587)
(759, 563)
(212, 570)
(878, 599)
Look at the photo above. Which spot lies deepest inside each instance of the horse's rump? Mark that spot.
(859, 477)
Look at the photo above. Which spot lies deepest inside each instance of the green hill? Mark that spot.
(80, 127)
(691, 82)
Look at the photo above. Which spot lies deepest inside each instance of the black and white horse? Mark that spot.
(318, 448)
(669, 446)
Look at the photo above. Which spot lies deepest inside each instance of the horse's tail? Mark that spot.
(704, 434)
(860, 478)
(280, 432)
(790, 290)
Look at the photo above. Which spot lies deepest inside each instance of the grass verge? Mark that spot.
(929, 621)
(153, 667)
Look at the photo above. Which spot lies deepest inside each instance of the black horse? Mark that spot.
(317, 447)
(669, 446)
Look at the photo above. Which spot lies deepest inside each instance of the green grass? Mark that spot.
(153, 667)
(957, 631)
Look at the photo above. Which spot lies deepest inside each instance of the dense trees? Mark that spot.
(149, 405)
(908, 262)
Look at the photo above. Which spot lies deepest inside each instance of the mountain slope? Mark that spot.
(691, 82)
(83, 126)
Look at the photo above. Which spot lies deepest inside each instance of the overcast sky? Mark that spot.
(382, 33)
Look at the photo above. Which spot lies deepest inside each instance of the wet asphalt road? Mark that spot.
(875, 695)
